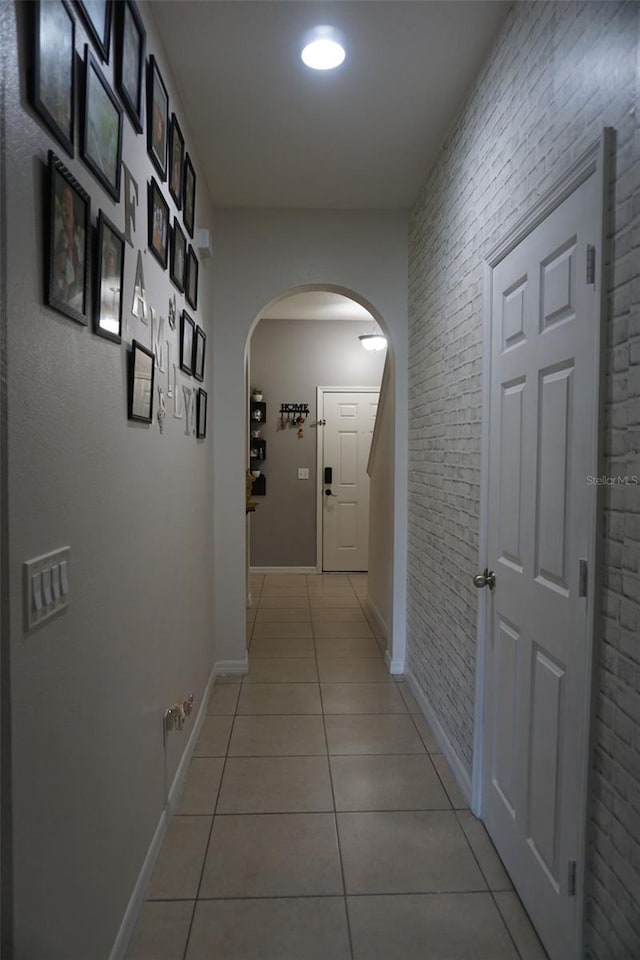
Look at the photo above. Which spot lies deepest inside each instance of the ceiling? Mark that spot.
(268, 132)
(317, 305)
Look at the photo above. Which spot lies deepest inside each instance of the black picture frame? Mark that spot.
(96, 15)
(68, 222)
(176, 161)
(199, 351)
(187, 336)
(178, 258)
(191, 279)
(131, 40)
(141, 378)
(109, 280)
(52, 78)
(158, 224)
(189, 196)
(201, 414)
(101, 146)
(157, 118)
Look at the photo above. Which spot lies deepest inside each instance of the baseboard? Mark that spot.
(377, 616)
(396, 667)
(461, 776)
(137, 897)
(281, 570)
(222, 668)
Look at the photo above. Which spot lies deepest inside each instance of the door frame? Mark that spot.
(320, 392)
(594, 162)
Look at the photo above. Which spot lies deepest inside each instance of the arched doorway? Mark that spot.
(306, 352)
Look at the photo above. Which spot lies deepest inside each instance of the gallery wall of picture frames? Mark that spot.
(85, 263)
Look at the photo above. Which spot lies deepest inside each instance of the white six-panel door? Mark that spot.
(349, 421)
(542, 448)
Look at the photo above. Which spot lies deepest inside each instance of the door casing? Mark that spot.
(595, 161)
(320, 392)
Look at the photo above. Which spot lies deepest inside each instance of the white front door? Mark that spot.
(350, 418)
(542, 449)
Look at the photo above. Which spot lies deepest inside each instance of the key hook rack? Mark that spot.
(293, 414)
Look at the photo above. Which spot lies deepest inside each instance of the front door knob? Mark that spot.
(485, 579)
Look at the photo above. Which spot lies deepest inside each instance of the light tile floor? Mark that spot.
(318, 820)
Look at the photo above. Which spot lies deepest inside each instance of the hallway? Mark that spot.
(318, 820)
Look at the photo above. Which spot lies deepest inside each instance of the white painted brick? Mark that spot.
(558, 73)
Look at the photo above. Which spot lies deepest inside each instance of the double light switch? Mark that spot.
(46, 586)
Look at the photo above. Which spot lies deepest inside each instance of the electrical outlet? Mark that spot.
(303, 473)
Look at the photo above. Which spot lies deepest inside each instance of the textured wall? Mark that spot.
(557, 75)
(90, 686)
(289, 359)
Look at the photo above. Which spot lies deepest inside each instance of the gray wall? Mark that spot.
(381, 491)
(289, 359)
(89, 687)
(557, 75)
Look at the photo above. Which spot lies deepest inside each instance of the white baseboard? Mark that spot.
(461, 776)
(281, 570)
(396, 667)
(137, 897)
(377, 616)
(222, 668)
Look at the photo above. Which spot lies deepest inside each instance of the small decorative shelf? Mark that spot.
(257, 445)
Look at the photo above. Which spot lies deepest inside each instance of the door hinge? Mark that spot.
(591, 263)
(571, 879)
(583, 578)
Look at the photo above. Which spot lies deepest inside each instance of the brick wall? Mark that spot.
(558, 73)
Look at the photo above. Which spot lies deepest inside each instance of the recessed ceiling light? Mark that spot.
(323, 49)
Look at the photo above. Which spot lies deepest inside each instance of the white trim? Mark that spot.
(594, 595)
(377, 616)
(568, 183)
(320, 392)
(277, 570)
(460, 774)
(382, 401)
(137, 897)
(595, 160)
(396, 667)
(223, 668)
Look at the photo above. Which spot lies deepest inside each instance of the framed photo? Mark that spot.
(102, 128)
(176, 161)
(69, 227)
(191, 279)
(97, 19)
(158, 224)
(201, 414)
(141, 383)
(189, 195)
(107, 317)
(52, 80)
(199, 348)
(187, 332)
(178, 259)
(130, 44)
(157, 118)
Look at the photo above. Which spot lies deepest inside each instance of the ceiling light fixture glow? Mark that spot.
(373, 341)
(323, 49)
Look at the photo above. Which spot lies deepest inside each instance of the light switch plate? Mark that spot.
(46, 586)
(303, 473)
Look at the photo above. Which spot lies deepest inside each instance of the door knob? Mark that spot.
(485, 579)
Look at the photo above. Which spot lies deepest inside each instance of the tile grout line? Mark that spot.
(213, 817)
(335, 815)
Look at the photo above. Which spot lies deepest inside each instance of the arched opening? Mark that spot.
(315, 484)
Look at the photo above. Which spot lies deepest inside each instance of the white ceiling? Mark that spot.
(269, 132)
(317, 305)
